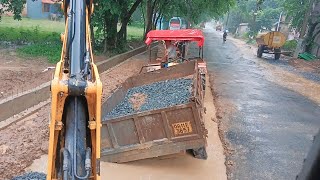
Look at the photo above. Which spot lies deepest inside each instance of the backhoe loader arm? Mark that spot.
(75, 121)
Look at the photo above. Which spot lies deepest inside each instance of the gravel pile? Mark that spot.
(31, 176)
(158, 95)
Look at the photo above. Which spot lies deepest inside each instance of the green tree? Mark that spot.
(128, 8)
(14, 6)
(109, 13)
(194, 11)
(296, 10)
(105, 20)
(260, 14)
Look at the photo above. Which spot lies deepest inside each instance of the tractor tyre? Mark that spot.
(203, 81)
(277, 53)
(260, 51)
(200, 153)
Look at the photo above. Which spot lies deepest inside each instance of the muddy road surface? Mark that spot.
(267, 126)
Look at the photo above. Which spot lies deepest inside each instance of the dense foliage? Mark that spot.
(14, 6)
(109, 13)
(258, 14)
(109, 34)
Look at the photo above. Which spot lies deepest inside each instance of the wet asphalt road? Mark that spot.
(271, 128)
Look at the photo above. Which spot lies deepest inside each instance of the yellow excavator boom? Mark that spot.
(75, 118)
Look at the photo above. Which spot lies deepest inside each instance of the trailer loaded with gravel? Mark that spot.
(155, 114)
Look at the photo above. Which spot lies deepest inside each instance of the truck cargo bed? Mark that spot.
(149, 132)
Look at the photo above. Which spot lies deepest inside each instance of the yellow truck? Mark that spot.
(270, 43)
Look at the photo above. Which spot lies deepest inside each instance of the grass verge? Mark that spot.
(26, 23)
(50, 51)
(41, 38)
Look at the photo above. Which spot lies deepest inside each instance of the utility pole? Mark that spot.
(280, 18)
(227, 19)
(303, 29)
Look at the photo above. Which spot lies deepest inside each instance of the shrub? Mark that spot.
(50, 51)
(34, 43)
(290, 45)
(22, 36)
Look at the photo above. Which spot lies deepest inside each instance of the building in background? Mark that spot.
(43, 9)
(242, 29)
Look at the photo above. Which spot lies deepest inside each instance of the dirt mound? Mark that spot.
(23, 142)
(18, 75)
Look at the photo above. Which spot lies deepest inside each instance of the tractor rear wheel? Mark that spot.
(200, 153)
(203, 81)
(260, 51)
(277, 53)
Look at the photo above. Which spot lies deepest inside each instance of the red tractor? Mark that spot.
(177, 46)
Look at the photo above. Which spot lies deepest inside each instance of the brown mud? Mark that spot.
(19, 75)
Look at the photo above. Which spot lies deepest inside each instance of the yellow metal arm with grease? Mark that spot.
(59, 93)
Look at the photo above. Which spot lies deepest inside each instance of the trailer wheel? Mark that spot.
(200, 153)
(203, 81)
(260, 51)
(277, 53)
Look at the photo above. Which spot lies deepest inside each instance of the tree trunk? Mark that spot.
(301, 43)
(105, 43)
(313, 30)
(311, 36)
(305, 20)
(122, 34)
(155, 11)
(227, 19)
(144, 19)
(157, 20)
(149, 13)
(154, 17)
(110, 40)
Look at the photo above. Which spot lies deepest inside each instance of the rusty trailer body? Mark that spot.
(157, 132)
